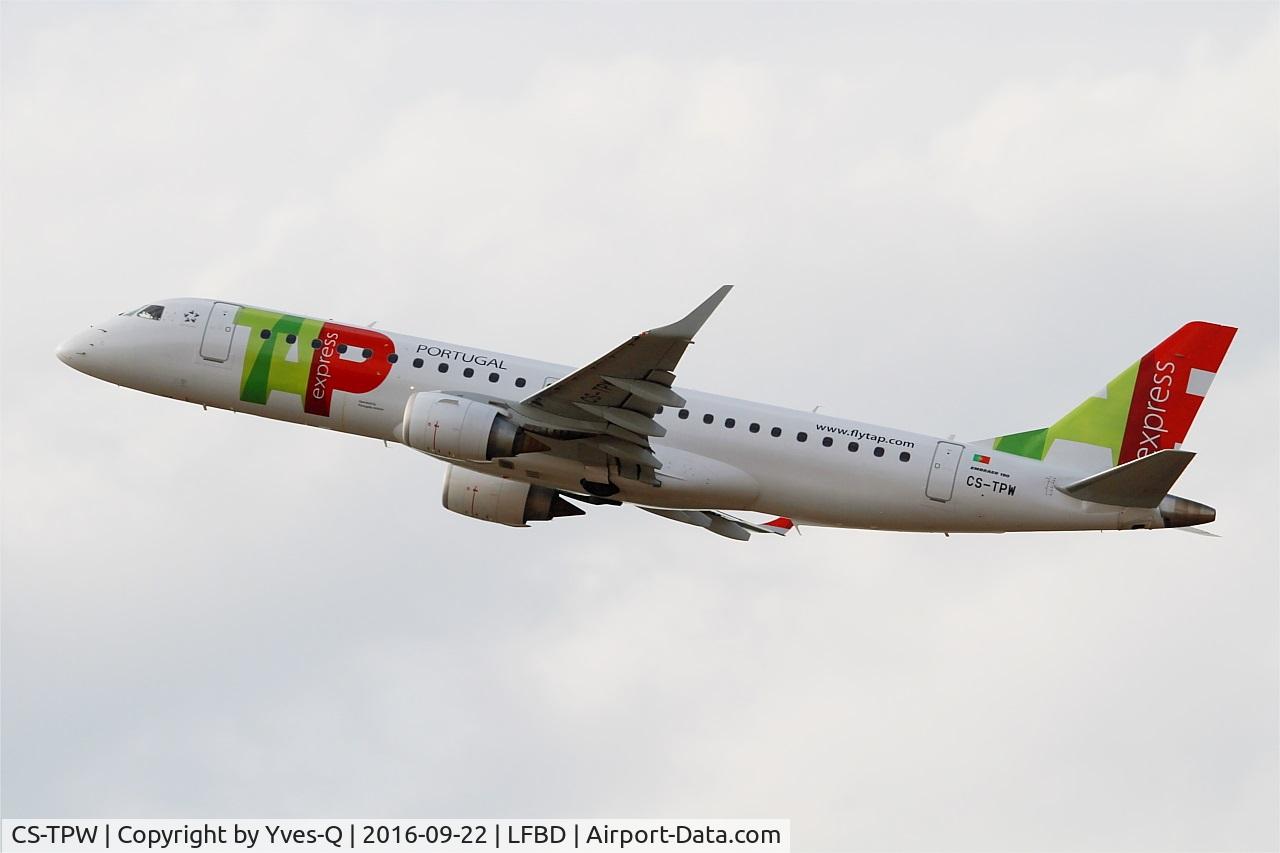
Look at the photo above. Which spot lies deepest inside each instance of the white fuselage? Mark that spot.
(813, 468)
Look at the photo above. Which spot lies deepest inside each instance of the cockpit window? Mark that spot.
(151, 312)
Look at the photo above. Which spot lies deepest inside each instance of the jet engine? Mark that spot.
(457, 428)
(509, 502)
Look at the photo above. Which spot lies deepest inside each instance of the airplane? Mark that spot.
(528, 440)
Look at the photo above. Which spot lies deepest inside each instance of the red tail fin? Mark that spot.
(1171, 384)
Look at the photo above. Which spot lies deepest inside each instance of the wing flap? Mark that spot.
(628, 452)
(649, 390)
(627, 419)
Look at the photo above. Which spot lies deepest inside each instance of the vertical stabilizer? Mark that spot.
(1148, 407)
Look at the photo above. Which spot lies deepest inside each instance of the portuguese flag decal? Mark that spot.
(981, 460)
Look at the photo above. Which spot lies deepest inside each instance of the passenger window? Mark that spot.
(708, 419)
(290, 338)
(417, 362)
(729, 423)
(392, 357)
(315, 343)
(265, 333)
(879, 451)
(683, 414)
(493, 377)
(853, 447)
(351, 352)
(904, 456)
(443, 368)
(754, 427)
(827, 441)
(775, 432)
(469, 372)
(520, 382)
(151, 312)
(802, 436)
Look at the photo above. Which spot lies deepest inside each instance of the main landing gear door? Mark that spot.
(942, 473)
(218, 332)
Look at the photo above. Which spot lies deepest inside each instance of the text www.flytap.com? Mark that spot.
(864, 436)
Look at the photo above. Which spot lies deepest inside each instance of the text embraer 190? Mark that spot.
(522, 436)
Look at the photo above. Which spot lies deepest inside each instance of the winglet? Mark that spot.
(688, 327)
(723, 524)
(781, 525)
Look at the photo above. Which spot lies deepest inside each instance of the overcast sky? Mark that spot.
(956, 219)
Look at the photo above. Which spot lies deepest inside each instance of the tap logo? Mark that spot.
(310, 358)
(1154, 405)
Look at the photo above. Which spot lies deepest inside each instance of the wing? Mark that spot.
(607, 408)
(723, 524)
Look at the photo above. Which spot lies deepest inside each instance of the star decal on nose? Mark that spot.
(191, 316)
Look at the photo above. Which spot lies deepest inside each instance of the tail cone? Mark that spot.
(1180, 512)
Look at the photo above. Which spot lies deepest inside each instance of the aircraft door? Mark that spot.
(216, 345)
(942, 473)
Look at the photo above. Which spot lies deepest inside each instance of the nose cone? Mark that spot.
(71, 351)
(76, 350)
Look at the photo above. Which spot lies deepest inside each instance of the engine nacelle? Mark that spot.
(457, 428)
(509, 502)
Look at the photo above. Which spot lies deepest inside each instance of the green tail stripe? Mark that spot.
(1029, 444)
(1099, 421)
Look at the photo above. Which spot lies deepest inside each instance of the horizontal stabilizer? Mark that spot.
(1143, 482)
